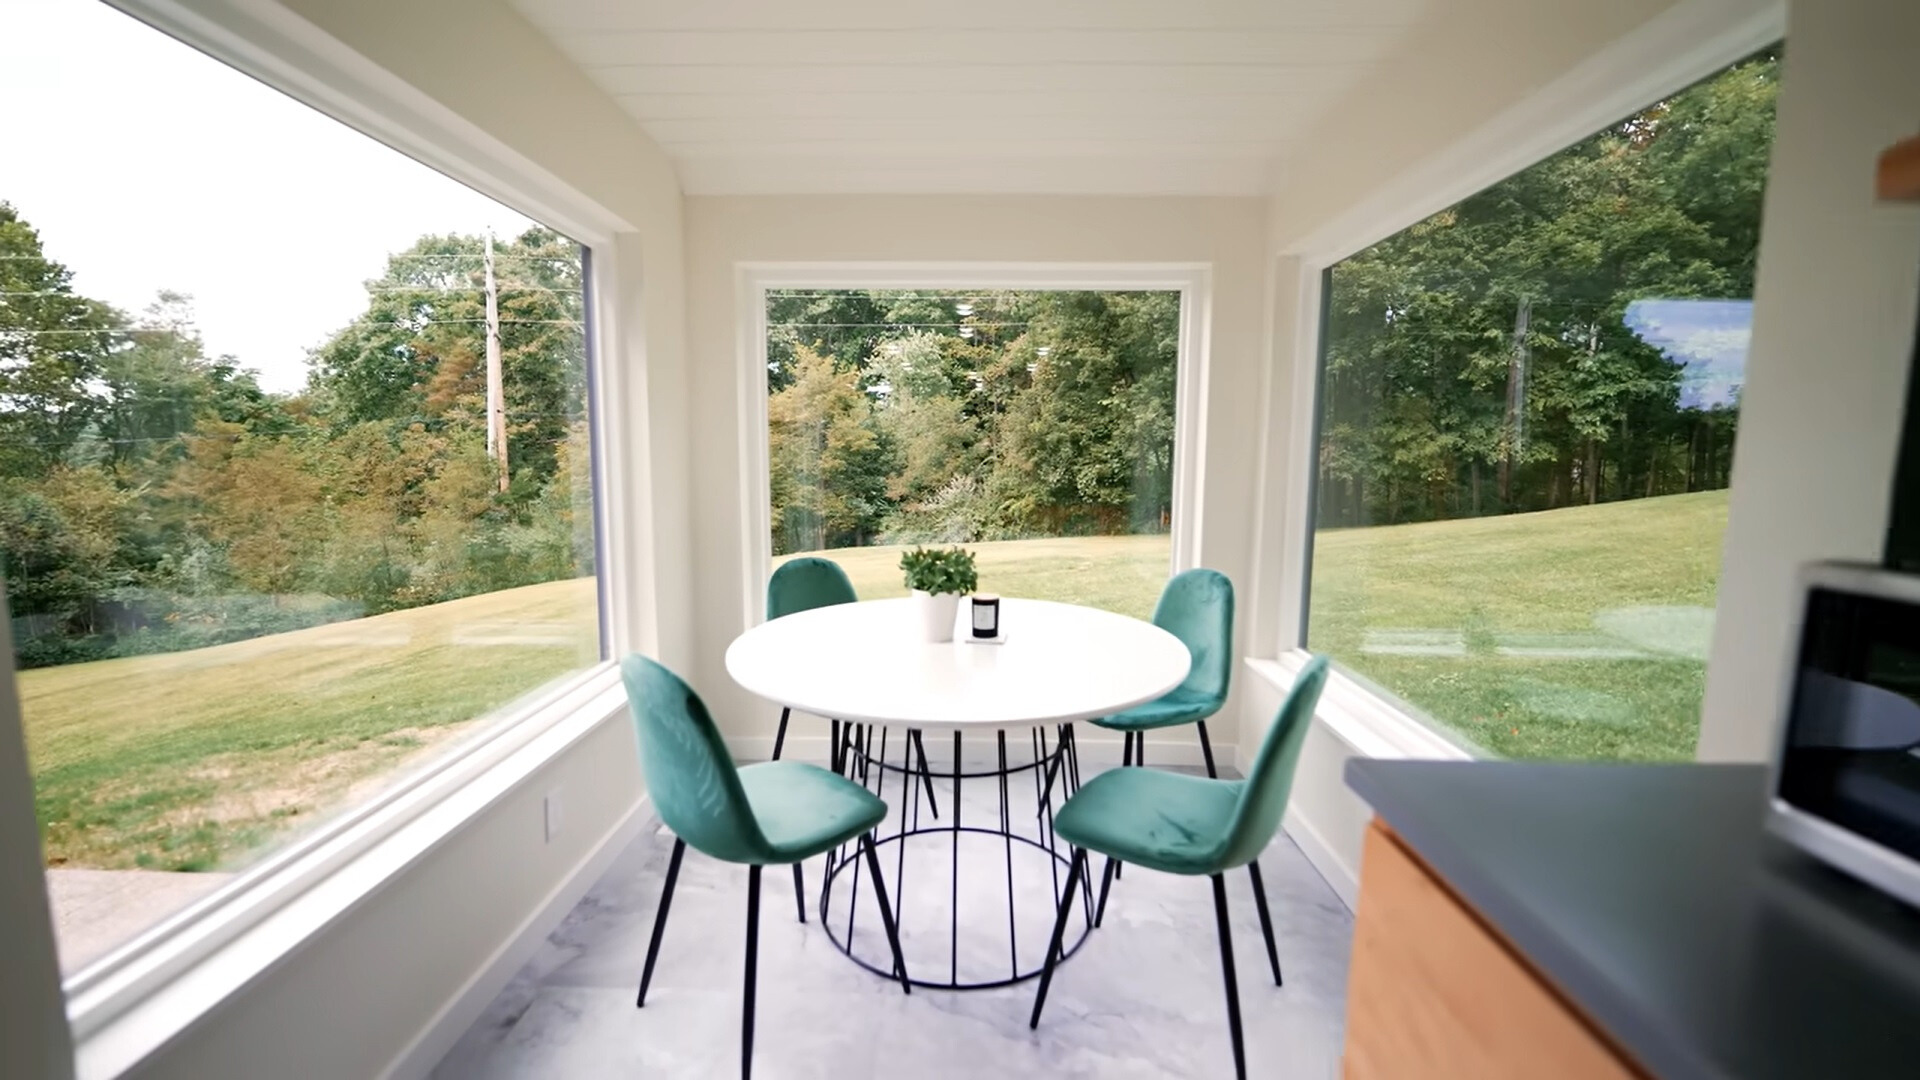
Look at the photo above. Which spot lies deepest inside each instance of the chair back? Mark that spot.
(690, 776)
(1197, 608)
(807, 583)
(1264, 798)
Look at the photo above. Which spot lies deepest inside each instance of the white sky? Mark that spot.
(146, 166)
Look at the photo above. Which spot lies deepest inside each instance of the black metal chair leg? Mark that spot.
(1059, 933)
(800, 893)
(1126, 762)
(833, 751)
(660, 919)
(1206, 750)
(886, 912)
(1266, 920)
(1046, 790)
(1226, 969)
(780, 739)
(753, 958)
(926, 775)
(1106, 882)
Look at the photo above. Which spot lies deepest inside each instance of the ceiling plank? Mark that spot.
(602, 15)
(1303, 48)
(862, 78)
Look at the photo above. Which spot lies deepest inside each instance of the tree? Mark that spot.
(417, 354)
(1490, 338)
(53, 347)
(826, 463)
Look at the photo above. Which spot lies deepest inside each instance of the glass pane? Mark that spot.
(1035, 428)
(265, 550)
(1526, 423)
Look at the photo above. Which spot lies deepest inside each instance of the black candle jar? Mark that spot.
(986, 616)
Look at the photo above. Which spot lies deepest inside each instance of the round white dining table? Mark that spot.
(868, 663)
(981, 920)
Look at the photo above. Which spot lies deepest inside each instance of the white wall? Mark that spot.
(724, 232)
(33, 1020)
(1833, 339)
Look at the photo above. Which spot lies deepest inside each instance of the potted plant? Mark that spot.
(939, 577)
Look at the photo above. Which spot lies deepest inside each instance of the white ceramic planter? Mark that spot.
(937, 613)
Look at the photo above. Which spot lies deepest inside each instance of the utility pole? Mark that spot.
(496, 387)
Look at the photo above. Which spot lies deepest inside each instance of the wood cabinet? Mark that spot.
(1434, 992)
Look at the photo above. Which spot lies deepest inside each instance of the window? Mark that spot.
(1525, 429)
(295, 486)
(1034, 427)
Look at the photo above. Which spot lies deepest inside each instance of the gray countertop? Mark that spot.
(1650, 897)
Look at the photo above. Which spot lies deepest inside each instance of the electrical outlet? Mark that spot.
(552, 806)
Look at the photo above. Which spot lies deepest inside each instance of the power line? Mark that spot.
(5, 331)
(891, 325)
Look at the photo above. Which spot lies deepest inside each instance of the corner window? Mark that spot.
(1526, 418)
(1034, 427)
(295, 484)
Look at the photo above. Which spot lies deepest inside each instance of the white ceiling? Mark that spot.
(1202, 97)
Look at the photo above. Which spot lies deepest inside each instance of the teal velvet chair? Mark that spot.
(802, 585)
(812, 582)
(1190, 826)
(773, 814)
(1197, 608)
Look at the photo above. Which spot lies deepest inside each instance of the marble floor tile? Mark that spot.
(1143, 997)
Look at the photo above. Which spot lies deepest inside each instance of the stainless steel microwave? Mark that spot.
(1846, 775)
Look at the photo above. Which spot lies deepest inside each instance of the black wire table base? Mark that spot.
(1023, 826)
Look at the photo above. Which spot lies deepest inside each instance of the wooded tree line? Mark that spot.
(912, 417)
(1480, 362)
(153, 497)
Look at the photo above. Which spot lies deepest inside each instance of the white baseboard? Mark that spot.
(466, 1007)
(1344, 879)
(1097, 746)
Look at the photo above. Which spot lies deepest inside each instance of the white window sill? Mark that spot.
(146, 993)
(1368, 723)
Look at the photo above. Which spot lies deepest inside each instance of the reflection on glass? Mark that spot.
(1525, 430)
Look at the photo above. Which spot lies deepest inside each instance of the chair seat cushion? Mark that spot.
(804, 810)
(1160, 820)
(1181, 706)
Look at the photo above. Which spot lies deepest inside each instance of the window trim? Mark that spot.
(273, 45)
(1669, 52)
(1371, 724)
(111, 986)
(753, 280)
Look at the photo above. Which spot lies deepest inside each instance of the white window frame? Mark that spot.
(754, 280)
(110, 1003)
(1686, 43)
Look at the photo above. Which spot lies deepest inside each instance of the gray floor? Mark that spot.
(1142, 998)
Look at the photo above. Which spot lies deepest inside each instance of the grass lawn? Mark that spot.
(1117, 573)
(195, 760)
(1574, 633)
(1571, 634)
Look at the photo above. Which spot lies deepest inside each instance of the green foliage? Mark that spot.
(54, 346)
(1479, 362)
(965, 416)
(940, 570)
(154, 498)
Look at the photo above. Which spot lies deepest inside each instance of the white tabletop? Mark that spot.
(868, 662)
